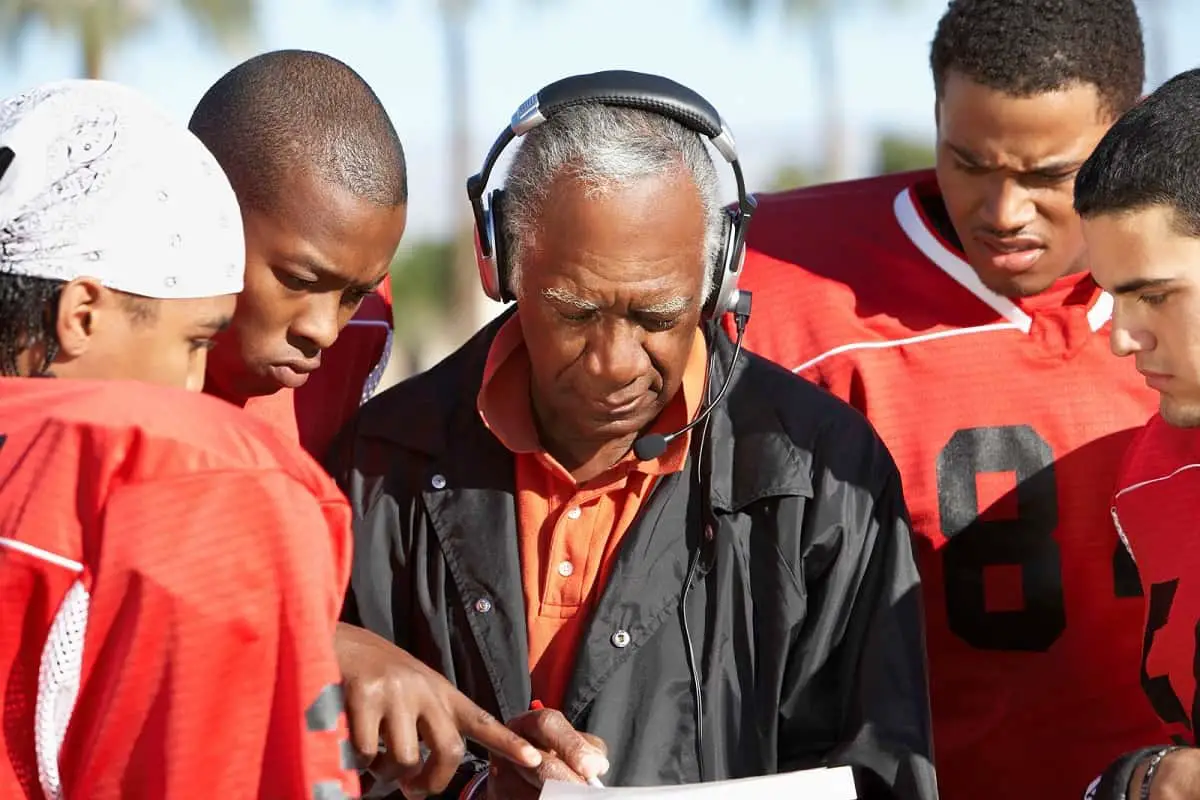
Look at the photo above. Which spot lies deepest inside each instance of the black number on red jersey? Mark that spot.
(1158, 689)
(1025, 542)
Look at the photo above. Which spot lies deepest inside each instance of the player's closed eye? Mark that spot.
(1154, 299)
(971, 169)
(1054, 177)
(202, 344)
(352, 297)
(292, 281)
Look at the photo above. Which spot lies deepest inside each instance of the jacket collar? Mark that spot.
(766, 458)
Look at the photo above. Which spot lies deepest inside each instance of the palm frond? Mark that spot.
(225, 21)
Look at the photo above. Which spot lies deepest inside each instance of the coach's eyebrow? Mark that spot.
(672, 305)
(563, 296)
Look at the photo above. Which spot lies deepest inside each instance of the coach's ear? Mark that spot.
(77, 306)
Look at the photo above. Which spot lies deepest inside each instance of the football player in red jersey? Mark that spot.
(321, 177)
(142, 655)
(1139, 196)
(122, 254)
(954, 308)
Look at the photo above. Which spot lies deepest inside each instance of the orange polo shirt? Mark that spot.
(569, 533)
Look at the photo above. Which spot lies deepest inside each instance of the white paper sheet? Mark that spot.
(812, 784)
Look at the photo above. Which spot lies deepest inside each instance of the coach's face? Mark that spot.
(310, 260)
(1151, 265)
(1006, 166)
(610, 303)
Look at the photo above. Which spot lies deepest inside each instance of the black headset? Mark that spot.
(622, 89)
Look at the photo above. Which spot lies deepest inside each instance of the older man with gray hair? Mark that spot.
(659, 559)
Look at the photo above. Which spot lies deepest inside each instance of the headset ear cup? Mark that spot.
(485, 251)
(500, 246)
(725, 272)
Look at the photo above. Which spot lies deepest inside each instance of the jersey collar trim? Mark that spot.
(931, 245)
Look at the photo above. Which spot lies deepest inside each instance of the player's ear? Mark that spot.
(77, 306)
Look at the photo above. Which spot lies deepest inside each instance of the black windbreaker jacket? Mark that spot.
(803, 609)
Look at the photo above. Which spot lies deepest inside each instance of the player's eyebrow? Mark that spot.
(1053, 167)
(1058, 167)
(563, 296)
(326, 273)
(1138, 284)
(965, 155)
(215, 324)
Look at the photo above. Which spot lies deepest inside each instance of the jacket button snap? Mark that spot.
(621, 638)
(483, 605)
(438, 481)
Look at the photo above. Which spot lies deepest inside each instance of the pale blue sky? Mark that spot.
(758, 76)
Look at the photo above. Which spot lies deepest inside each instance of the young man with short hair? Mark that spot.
(321, 177)
(954, 308)
(1139, 196)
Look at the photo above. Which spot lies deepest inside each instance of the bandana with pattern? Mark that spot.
(103, 184)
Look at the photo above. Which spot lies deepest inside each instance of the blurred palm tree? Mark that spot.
(467, 297)
(818, 19)
(465, 293)
(100, 26)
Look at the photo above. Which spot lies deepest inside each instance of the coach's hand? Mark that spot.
(1177, 778)
(567, 755)
(392, 695)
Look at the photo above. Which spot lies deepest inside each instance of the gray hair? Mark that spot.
(606, 147)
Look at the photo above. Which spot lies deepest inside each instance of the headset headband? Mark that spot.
(651, 93)
(625, 89)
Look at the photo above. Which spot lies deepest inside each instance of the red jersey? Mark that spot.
(1007, 420)
(1155, 511)
(171, 572)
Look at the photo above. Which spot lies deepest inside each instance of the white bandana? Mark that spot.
(103, 184)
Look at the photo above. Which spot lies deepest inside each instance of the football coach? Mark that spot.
(691, 564)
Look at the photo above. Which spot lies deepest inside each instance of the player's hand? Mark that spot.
(392, 695)
(1177, 778)
(567, 755)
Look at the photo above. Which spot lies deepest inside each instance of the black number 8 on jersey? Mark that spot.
(1026, 541)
